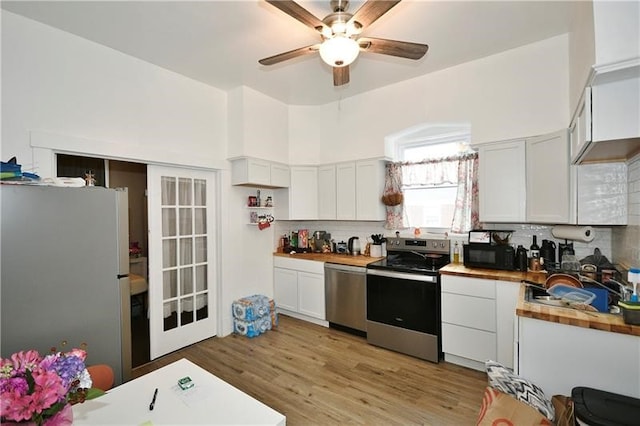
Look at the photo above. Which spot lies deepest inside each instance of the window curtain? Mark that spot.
(392, 196)
(461, 169)
(465, 215)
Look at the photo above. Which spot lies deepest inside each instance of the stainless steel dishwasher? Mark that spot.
(346, 296)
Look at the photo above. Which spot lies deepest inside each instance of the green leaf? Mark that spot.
(93, 393)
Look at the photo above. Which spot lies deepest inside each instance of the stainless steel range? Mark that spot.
(403, 297)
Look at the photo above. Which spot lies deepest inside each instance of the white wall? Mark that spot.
(258, 126)
(520, 92)
(617, 30)
(56, 83)
(582, 53)
(62, 90)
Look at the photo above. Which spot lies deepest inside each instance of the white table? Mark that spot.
(211, 401)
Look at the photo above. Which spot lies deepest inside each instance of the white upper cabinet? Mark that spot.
(369, 187)
(247, 171)
(279, 175)
(300, 200)
(346, 191)
(327, 192)
(580, 127)
(501, 176)
(547, 176)
(607, 115)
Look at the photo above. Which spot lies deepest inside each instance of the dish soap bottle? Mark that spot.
(456, 253)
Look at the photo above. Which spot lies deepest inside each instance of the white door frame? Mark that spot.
(46, 145)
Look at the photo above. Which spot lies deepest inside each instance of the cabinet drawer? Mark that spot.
(312, 266)
(468, 343)
(469, 286)
(474, 312)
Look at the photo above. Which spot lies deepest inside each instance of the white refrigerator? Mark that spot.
(64, 272)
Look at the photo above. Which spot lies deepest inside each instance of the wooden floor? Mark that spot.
(321, 376)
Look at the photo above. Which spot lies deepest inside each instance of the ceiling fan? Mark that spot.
(340, 33)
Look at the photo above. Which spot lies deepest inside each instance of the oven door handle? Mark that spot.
(403, 276)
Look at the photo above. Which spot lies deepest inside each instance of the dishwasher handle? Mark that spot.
(345, 268)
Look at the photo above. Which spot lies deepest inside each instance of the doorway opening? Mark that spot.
(133, 176)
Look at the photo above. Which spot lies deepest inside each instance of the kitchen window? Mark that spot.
(430, 205)
(431, 169)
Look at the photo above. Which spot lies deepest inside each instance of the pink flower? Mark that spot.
(25, 360)
(16, 406)
(48, 390)
(36, 389)
(80, 353)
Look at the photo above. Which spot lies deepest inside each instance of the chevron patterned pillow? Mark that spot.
(504, 380)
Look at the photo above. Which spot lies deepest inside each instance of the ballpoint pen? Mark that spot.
(153, 401)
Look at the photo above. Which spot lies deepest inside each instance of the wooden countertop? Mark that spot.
(493, 274)
(569, 316)
(342, 259)
(560, 315)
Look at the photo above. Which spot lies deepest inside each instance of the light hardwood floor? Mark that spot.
(315, 375)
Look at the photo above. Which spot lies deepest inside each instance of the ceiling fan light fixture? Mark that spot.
(339, 51)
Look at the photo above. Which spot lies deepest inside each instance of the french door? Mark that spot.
(182, 266)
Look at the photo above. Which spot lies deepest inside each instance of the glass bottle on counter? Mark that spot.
(534, 250)
(456, 253)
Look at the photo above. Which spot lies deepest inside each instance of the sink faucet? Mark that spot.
(623, 291)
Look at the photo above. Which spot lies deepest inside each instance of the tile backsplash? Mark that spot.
(626, 239)
(523, 233)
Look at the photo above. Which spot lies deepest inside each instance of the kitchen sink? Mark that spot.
(540, 296)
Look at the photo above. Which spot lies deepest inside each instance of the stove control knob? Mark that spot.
(435, 244)
(442, 244)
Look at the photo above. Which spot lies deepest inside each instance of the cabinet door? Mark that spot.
(279, 176)
(501, 175)
(581, 126)
(286, 288)
(303, 193)
(346, 191)
(327, 192)
(468, 311)
(465, 342)
(547, 176)
(369, 188)
(259, 172)
(506, 301)
(311, 295)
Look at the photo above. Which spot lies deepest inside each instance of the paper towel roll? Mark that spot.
(575, 233)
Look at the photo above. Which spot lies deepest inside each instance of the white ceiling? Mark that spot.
(219, 42)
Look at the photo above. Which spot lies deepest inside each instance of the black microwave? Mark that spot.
(490, 256)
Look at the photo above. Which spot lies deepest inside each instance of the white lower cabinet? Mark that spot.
(558, 357)
(478, 317)
(299, 288)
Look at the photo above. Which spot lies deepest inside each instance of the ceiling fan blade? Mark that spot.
(402, 49)
(281, 57)
(372, 10)
(298, 12)
(340, 75)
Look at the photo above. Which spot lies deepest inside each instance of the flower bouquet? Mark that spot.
(40, 390)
